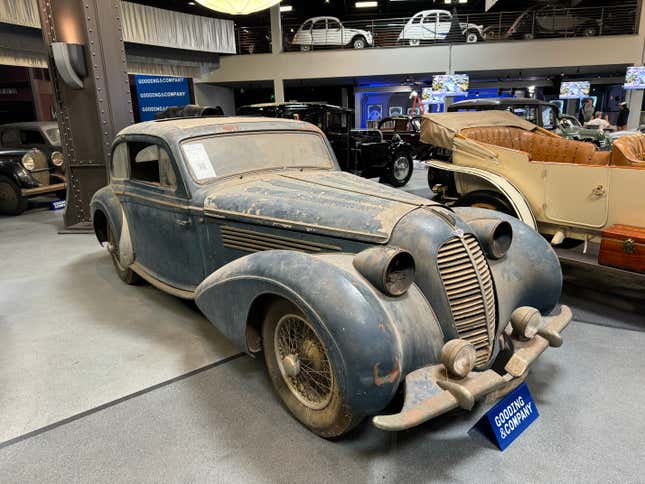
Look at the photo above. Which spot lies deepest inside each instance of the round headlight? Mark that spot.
(526, 322)
(57, 158)
(389, 269)
(495, 235)
(28, 161)
(459, 357)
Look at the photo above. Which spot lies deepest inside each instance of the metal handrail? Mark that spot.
(545, 22)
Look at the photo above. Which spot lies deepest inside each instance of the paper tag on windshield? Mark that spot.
(199, 161)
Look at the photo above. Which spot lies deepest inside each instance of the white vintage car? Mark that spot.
(328, 31)
(430, 25)
(563, 188)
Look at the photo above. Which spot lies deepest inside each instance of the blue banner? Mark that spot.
(510, 417)
(156, 93)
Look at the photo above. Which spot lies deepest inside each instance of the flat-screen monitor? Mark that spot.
(450, 85)
(428, 96)
(635, 78)
(575, 90)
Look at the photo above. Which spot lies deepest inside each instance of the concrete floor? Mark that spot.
(101, 382)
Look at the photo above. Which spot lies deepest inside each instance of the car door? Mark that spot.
(335, 33)
(157, 207)
(303, 36)
(336, 129)
(576, 194)
(443, 26)
(430, 26)
(414, 29)
(319, 32)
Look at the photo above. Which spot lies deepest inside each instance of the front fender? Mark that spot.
(377, 339)
(106, 203)
(528, 275)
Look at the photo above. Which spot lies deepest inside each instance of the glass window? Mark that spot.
(307, 25)
(53, 134)
(548, 117)
(333, 24)
(336, 121)
(388, 125)
(417, 19)
(320, 25)
(527, 112)
(10, 138)
(430, 19)
(151, 164)
(31, 137)
(230, 154)
(120, 162)
(445, 17)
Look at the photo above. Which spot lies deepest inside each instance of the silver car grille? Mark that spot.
(469, 287)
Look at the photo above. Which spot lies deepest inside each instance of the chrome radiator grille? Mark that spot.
(469, 286)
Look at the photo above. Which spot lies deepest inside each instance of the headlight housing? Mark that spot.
(496, 236)
(389, 269)
(58, 159)
(459, 357)
(28, 161)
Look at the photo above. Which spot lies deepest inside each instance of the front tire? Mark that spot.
(414, 42)
(472, 37)
(305, 48)
(304, 373)
(359, 42)
(399, 171)
(126, 274)
(11, 200)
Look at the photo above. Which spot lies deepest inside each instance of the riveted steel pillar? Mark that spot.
(88, 117)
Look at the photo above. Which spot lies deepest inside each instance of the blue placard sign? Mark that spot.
(156, 93)
(57, 205)
(510, 417)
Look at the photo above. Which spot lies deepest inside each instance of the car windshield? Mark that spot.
(231, 154)
(53, 135)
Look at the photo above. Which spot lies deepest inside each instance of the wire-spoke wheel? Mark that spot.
(304, 371)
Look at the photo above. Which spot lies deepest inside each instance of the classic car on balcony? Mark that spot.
(349, 288)
(433, 25)
(330, 32)
(566, 189)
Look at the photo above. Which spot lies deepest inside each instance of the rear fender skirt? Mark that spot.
(378, 338)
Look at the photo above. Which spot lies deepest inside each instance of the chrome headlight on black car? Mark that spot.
(389, 269)
(28, 161)
(58, 159)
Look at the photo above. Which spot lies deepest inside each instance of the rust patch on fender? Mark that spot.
(390, 377)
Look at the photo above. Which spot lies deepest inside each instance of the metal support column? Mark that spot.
(88, 117)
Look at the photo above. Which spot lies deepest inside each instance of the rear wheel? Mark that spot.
(11, 201)
(305, 48)
(589, 30)
(472, 37)
(399, 170)
(126, 274)
(486, 199)
(414, 42)
(304, 372)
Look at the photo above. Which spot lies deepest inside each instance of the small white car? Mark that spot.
(328, 31)
(431, 25)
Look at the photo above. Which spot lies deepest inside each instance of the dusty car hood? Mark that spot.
(323, 202)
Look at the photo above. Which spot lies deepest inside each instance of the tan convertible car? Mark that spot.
(563, 188)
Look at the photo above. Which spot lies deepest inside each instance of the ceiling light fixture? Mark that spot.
(238, 7)
(366, 4)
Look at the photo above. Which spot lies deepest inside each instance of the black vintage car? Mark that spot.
(362, 152)
(25, 173)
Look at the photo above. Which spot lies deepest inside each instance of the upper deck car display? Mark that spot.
(564, 188)
(349, 287)
(363, 152)
(329, 31)
(433, 25)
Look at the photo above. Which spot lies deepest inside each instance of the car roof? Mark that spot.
(31, 124)
(502, 101)
(178, 129)
(321, 18)
(296, 104)
(427, 12)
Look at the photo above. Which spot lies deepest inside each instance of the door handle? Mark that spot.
(183, 223)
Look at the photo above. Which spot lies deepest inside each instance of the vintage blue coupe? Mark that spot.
(349, 287)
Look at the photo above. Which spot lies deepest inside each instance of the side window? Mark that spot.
(548, 117)
(151, 164)
(388, 125)
(10, 138)
(417, 19)
(31, 137)
(445, 17)
(430, 19)
(320, 25)
(120, 162)
(336, 121)
(333, 24)
(307, 25)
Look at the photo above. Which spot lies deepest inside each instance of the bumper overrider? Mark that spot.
(436, 389)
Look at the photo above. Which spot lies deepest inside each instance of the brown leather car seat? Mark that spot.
(629, 151)
(539, 147)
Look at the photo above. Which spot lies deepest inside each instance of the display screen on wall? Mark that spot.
(428, 96)
(635, 78)
(574, 90)
(374, 112)
(450, 85)
(156, 93)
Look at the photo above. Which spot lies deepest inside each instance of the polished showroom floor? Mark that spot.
(101, 382)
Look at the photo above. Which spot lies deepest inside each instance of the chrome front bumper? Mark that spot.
(430, 391)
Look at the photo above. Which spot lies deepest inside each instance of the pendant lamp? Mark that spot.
(238, 7)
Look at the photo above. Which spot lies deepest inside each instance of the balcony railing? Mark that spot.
(619, 19)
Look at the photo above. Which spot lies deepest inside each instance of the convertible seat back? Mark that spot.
(539, 147)
(629, 151)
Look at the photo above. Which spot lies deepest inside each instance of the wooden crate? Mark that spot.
(623, 246)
